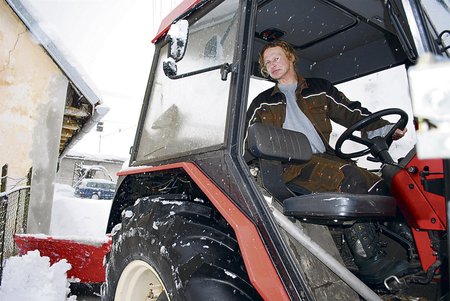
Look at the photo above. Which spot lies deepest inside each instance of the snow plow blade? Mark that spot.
(86, 257)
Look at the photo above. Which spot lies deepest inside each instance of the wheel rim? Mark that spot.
(139, 281)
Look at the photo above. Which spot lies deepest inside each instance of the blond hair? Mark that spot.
(289, 51)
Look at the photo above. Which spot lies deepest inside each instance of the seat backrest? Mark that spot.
(271, 143)
(272, 147)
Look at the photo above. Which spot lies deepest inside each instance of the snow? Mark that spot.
(41, 280)
(83, 220)
(96, 157)
(178, 33)
(232, 275)
(75, 217)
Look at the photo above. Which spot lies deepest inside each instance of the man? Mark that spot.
(308, 105)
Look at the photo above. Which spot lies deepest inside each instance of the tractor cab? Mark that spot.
(195, 218)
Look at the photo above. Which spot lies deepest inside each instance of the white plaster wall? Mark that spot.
(32, 100)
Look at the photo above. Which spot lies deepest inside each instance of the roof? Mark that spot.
(55, 53)
(74, 155)
(83, 107)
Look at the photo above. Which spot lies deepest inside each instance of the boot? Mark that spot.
(373, 263)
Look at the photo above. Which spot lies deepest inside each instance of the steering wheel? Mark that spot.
(377, 146)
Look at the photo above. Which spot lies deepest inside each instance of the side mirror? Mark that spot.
(177, 38)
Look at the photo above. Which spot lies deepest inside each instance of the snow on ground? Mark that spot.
(31, 277)
(71, 216)
(37, 279)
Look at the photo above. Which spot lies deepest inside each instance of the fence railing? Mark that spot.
(13, 220)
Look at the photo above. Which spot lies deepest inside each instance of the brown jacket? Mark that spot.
(321, 102)
(318, 99)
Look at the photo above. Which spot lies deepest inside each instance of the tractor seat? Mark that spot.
(273, 147)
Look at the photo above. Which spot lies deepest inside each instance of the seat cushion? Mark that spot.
(338, 206)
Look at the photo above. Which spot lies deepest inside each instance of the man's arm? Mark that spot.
(346, 112)
(380, 128)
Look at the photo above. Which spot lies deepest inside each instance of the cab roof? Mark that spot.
(334, 39)
(183, 7)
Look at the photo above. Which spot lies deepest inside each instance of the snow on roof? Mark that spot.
(97, 181)
(61, 58)
(93, 167)
(95, 157)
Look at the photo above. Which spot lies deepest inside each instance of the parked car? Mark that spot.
(95, 189)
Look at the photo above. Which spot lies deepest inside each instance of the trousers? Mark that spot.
(329, 173)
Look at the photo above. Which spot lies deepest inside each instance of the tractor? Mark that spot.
(193, 219)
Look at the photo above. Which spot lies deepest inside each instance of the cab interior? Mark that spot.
(338, 40)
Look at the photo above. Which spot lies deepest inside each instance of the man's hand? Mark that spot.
(399, 133)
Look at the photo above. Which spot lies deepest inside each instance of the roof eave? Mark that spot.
(54, 52)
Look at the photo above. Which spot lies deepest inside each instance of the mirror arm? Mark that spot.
(224, 70)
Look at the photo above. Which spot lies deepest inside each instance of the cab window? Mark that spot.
(187, 115)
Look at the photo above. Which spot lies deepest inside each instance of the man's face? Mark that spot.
(278, 65)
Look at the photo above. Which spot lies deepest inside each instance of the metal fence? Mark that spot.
(13, 219)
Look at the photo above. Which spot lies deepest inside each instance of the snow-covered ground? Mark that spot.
(71, 216)
(31, 277)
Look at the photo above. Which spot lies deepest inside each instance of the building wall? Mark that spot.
(32, 99)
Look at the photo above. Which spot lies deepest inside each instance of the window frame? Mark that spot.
(159, 53)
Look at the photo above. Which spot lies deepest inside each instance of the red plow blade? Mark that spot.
(86, 257)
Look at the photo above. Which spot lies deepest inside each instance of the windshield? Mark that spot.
(189, 114)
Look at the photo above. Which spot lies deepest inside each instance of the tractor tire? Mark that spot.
(175, 250)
